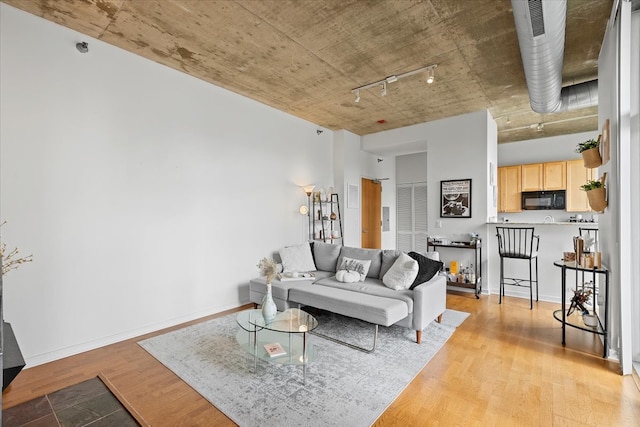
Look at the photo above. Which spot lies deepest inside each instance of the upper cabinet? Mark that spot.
(544, 176)
(577, 175)
(509, 188)
(554, 176)
(532, 177)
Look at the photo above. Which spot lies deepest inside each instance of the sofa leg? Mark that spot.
(440, 318)
(418, 337)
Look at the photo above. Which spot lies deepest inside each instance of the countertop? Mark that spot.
(581, 224)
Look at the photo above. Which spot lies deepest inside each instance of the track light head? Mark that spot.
(384, 89)
(357, 96)
(431, 77)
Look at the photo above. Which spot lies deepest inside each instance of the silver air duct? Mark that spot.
(540, 26)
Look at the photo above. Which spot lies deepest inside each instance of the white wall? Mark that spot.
(146, 196)
(541, 150)
(457, 148)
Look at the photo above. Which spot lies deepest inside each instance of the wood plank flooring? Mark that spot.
(504, 366)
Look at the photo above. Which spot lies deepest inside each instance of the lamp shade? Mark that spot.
(308, 189)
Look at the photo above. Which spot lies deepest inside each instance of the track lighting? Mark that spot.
(394, 78)
(431, 77)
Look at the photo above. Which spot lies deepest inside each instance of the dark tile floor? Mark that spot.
(89, 403)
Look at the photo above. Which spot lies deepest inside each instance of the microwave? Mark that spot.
(543, 200)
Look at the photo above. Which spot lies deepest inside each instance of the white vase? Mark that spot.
(269, 309)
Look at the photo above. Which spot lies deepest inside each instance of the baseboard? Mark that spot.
(104, 341)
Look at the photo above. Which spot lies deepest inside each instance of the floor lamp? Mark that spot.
(309, 189)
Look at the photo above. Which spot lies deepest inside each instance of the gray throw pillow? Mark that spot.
(389, 256)
(375, 255)
(326, 256)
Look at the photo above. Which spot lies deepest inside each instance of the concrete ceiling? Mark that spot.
(304, 57)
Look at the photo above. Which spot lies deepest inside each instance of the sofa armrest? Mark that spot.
(429, 301)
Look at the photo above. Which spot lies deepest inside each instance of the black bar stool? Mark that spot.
(518, 243)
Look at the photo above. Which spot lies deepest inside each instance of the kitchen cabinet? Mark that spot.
(544, 176)
(532, 177)
(554, 175)
(577, 175)
(509, 188)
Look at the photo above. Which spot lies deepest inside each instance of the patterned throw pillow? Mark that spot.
(357, 265)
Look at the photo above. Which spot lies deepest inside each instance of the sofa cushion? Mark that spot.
(370, 287)
(427, 268)
(297, 258)
(402, 273)
(375, 255)
(326, 256)
(389, 256)
(370, 308)
(359, 266)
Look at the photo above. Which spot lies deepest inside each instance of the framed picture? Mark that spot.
(605, 143)
(455, 198)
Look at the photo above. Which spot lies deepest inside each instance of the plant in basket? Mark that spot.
(590, 153)
(596, 193)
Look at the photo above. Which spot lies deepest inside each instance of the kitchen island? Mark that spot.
(555, 238)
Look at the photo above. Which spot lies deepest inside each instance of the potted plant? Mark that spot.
(596, 193)
(590, 153)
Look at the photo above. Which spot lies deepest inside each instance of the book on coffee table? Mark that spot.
(274, 349)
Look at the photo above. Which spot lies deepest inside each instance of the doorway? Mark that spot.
(371, 213)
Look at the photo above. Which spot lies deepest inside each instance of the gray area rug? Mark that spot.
(344, 387)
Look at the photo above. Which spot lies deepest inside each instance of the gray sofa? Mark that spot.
(369, 300)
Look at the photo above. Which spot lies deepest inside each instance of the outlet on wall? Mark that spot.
(438, 224)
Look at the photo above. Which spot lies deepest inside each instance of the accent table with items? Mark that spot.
(289, 329)
(601, 327)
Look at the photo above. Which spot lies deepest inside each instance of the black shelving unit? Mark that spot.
(325, 229)
(476, 246)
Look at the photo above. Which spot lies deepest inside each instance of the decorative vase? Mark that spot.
(269, 309)
(591, 158)
(590, 320)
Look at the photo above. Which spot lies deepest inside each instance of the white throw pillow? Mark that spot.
(297, 259)
(357, 265)
(402, 273)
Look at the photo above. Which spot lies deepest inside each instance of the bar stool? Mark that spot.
(518, 243)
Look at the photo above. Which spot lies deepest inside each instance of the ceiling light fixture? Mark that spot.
(394, 78)
(431, 77)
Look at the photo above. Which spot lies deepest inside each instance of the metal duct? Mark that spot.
(540, 26)
(582, 95)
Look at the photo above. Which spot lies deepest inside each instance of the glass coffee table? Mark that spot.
(289, 329)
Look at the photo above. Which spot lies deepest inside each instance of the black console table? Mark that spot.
(575, 321)
(476, 246)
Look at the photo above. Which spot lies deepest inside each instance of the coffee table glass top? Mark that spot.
(289, 321)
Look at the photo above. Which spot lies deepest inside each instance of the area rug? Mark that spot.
(344, 387)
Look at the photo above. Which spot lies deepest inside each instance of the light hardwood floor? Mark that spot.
(504, 366)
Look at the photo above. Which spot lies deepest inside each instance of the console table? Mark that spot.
(477, 248)
(575, 321)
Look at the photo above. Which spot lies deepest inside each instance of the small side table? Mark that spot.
(561, 315)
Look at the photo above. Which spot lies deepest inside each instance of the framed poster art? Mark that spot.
(455, 198)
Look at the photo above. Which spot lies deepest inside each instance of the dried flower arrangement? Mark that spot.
(268, 269)
(580, 297)
(10, 259)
